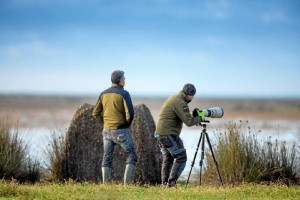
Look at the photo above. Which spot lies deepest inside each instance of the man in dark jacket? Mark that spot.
(173, 114)
(115, 110)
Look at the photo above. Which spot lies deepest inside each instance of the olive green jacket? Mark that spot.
(173, 114)
(114, 108)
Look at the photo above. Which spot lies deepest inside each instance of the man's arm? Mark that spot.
(183, 112)
(129, 111)
(98, 109)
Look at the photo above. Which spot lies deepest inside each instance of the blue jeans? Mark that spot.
(174, 157)
(124, 139)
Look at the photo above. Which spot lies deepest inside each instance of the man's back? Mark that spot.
(116, 107)
(169, 122)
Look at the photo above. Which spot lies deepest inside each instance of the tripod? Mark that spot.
(202, 139)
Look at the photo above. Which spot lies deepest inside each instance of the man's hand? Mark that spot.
(199, 113)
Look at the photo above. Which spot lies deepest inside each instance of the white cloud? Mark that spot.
(215, 40)
(34, 51)
(274, 17)
(25, 49)
(220, 9)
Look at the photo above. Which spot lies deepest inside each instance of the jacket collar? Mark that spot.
(117, 85)
(183, 96)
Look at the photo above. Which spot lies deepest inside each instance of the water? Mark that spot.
(39, 138)
(39, 141)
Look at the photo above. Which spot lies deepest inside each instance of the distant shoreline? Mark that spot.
(229, 97)
(42, 109)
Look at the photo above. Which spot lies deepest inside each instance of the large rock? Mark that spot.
(148, 151)
(84, 148)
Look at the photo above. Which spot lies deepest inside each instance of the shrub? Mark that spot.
(56, 155)
(279, 161)
(15, 162)
(243, 158)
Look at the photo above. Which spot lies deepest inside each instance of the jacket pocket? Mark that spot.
(165, 141)
(121, 138)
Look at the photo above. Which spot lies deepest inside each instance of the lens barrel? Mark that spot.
(215, 112)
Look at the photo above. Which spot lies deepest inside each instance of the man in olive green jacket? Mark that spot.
(115, 110)
(173, 114)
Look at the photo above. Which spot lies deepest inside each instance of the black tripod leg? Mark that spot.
(193, 162)
(213, 155)
(202, 154)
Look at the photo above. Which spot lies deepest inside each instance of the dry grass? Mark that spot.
(244, 158)
(15, 163)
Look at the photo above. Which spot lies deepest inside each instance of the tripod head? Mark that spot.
(203, 123)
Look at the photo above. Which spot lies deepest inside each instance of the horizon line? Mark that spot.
(60, 94)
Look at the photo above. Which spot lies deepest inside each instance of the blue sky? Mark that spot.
(224, 47)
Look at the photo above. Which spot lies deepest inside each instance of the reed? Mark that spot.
(55, 154)
(15, 162)
(242, 157)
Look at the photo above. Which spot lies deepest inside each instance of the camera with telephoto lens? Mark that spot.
(215, 112)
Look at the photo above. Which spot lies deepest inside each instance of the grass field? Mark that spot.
(71, 190)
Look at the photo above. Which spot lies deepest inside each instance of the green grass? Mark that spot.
(72, 190)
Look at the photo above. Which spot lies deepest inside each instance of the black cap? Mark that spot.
(189, 89)
(116, 76)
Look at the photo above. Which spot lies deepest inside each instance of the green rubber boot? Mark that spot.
(129, 174)
(106, 171)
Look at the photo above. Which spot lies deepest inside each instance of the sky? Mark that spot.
(226, 48)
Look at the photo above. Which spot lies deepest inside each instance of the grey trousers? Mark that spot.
(174, 157)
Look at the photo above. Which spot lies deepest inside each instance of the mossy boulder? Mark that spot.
(84, 148)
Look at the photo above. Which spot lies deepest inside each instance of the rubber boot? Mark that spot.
(106, 171)
(129, 174)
